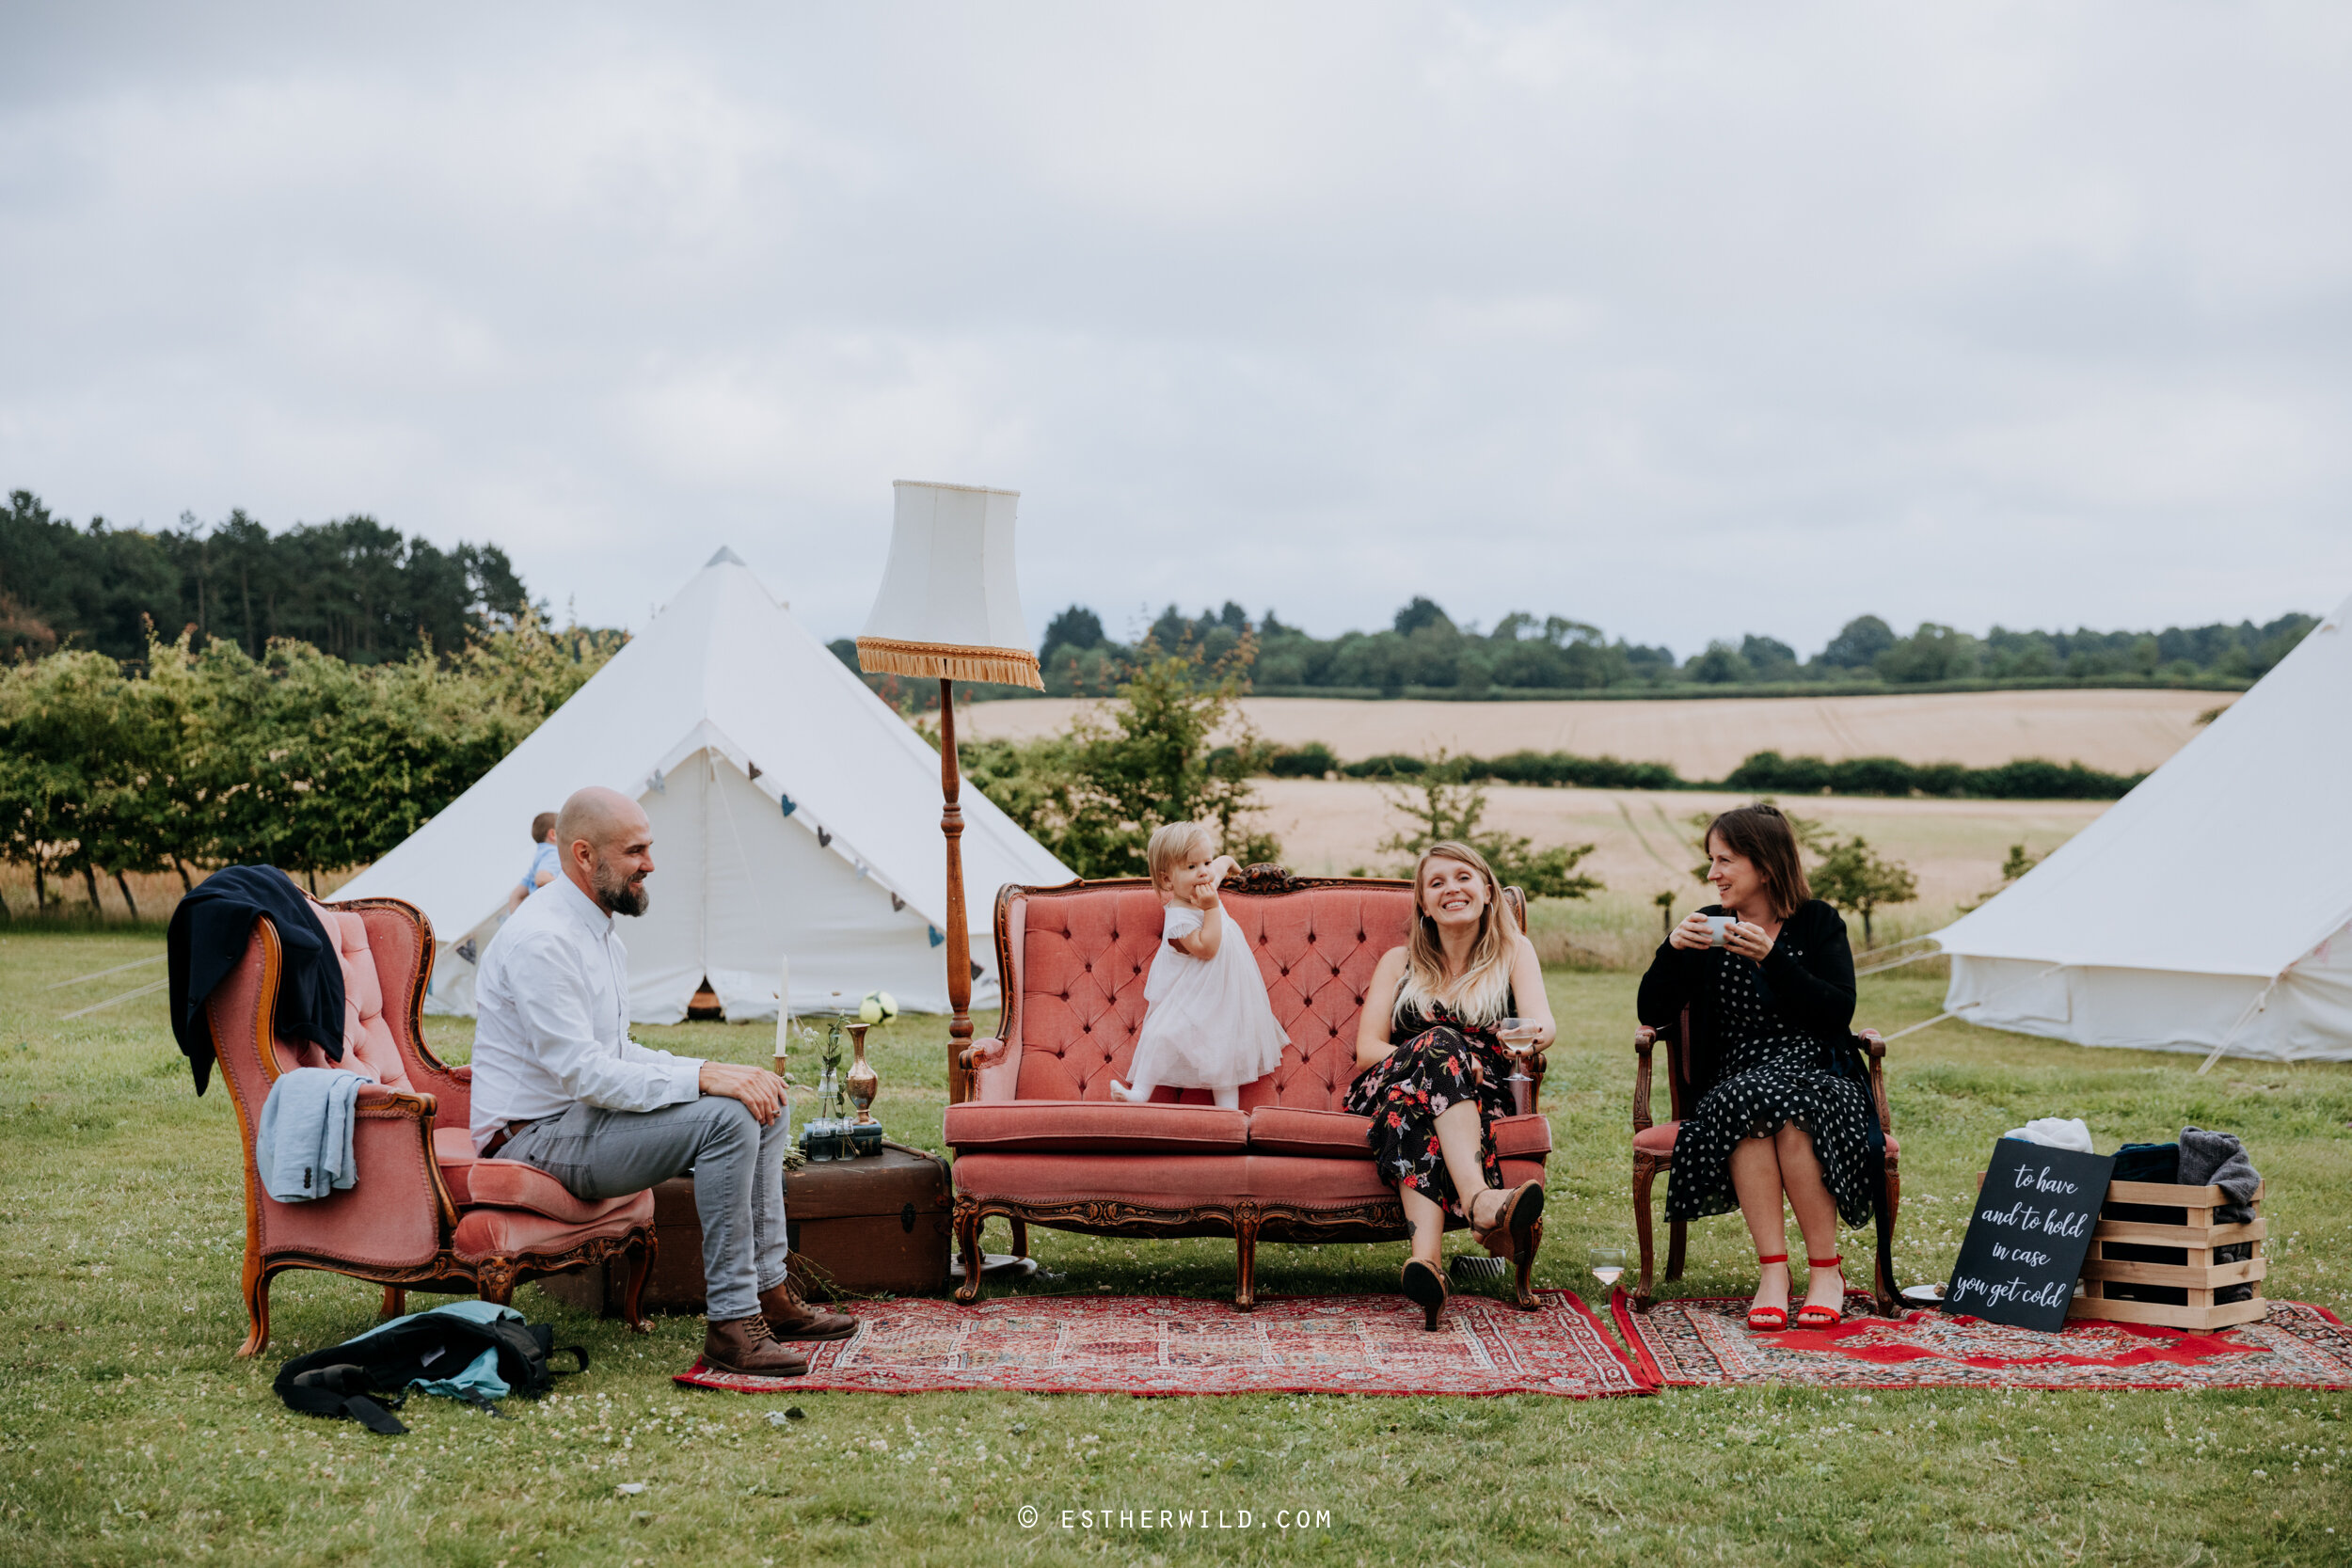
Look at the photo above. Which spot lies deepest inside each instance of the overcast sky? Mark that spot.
(1689, 321)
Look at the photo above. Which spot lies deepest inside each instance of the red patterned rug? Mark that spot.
(1172, 1345)
(1705, 1344)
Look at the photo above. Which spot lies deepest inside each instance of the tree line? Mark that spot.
(1424, 650)
(354, 588)
(198, 755)
(1765, 772)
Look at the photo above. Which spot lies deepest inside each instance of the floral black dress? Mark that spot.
(1773, 1075)
(1440, 1062)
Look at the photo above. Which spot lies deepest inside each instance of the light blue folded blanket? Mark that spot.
(303, 1148)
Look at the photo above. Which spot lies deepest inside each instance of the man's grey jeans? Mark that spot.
(738, 1167)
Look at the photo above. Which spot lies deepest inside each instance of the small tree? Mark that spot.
(1854, 878)
(1441, 804)
(1095, 793)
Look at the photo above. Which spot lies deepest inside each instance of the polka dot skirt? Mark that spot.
(1772, 1077)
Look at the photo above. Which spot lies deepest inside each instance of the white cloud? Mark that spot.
(1688, 323)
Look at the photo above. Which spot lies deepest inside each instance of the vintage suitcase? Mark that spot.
(878, 1226)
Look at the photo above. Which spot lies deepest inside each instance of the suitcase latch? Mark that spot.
(906, 1219)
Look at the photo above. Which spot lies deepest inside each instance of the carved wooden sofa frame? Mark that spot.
(1312, 1078)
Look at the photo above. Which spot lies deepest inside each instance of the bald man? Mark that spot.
(558, 1084)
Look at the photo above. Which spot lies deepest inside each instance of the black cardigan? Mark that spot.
(1815, 993)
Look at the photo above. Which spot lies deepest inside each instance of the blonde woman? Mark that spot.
(1431, 1065)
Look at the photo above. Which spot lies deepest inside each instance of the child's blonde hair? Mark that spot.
(1170, 846)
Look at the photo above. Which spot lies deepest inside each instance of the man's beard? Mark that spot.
(618, 893)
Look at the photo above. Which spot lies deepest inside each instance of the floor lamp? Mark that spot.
(950, 610)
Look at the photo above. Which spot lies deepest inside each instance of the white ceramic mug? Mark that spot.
(1716, 925)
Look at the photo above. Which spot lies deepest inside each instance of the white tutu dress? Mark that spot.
(1208, 1025)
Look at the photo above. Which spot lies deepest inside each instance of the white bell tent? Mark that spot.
(795, 817)
(2204, 911)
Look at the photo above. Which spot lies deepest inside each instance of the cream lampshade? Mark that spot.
(950, 606)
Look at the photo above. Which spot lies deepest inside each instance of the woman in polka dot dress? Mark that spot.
(1771, 995)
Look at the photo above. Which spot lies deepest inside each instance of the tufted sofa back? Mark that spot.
(1076, 959)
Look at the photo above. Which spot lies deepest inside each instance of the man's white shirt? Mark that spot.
(551, 1025)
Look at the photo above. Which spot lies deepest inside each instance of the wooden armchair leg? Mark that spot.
(256, 1307)
(495, 1283)
(1644, 1174)
(1020, 1237)
(1524, 1294)
(1245, 1220)
(968, 1221)
(1889, 1304)
(1678, 1242)
(395, 1301)
(634, 1293)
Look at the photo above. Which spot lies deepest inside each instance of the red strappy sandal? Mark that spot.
(1765, 1319)
(1825, 1317)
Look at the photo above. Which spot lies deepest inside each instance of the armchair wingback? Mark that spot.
(1045, 1141)
(408, 1220)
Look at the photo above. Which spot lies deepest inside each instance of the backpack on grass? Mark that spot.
(471, 1350)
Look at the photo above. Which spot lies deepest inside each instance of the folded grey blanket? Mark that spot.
(2218, 1160)
(303, 1146)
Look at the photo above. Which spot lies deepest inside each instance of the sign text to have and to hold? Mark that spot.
(2019, 1261)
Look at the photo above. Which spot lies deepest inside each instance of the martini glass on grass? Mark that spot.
(1607, 1264)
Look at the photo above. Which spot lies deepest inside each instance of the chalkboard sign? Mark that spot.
(2029, 1234)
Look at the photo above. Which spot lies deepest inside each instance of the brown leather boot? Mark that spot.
(744, 1345)
(790, 1318)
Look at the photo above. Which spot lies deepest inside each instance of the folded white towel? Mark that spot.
(2055, 1132)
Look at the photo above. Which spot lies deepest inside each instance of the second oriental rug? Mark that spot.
(1706, 1344)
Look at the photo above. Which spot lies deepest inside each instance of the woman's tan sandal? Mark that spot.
(1513, 1230)
(1424, 1287)
(1825, 1317)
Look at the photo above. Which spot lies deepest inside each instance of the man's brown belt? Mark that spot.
(503, 1135)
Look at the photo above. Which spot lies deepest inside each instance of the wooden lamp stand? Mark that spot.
(950, 609)
(959, 928)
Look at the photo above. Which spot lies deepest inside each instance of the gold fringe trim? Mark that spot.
(883, 656)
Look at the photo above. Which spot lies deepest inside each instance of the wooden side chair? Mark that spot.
(1687, 1078)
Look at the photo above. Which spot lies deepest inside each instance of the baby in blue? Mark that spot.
(546, 864)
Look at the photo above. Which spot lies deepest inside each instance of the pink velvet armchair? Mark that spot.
(423, 1211)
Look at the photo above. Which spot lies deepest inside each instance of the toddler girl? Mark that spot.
(1208, 1024)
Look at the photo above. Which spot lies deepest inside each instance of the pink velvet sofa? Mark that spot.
(1043, 1142)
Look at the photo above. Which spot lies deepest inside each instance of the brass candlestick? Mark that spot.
(862, 1083)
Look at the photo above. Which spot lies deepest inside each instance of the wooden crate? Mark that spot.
(2198, 1274)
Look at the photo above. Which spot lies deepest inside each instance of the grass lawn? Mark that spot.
(130, 1432)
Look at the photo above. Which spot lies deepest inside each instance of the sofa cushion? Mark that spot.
(1338, 1135)
(1211, 1181)
(1071, 1126)
(453, 1150)
(1659, 1139)
(512, 1185)
(510, 1232)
